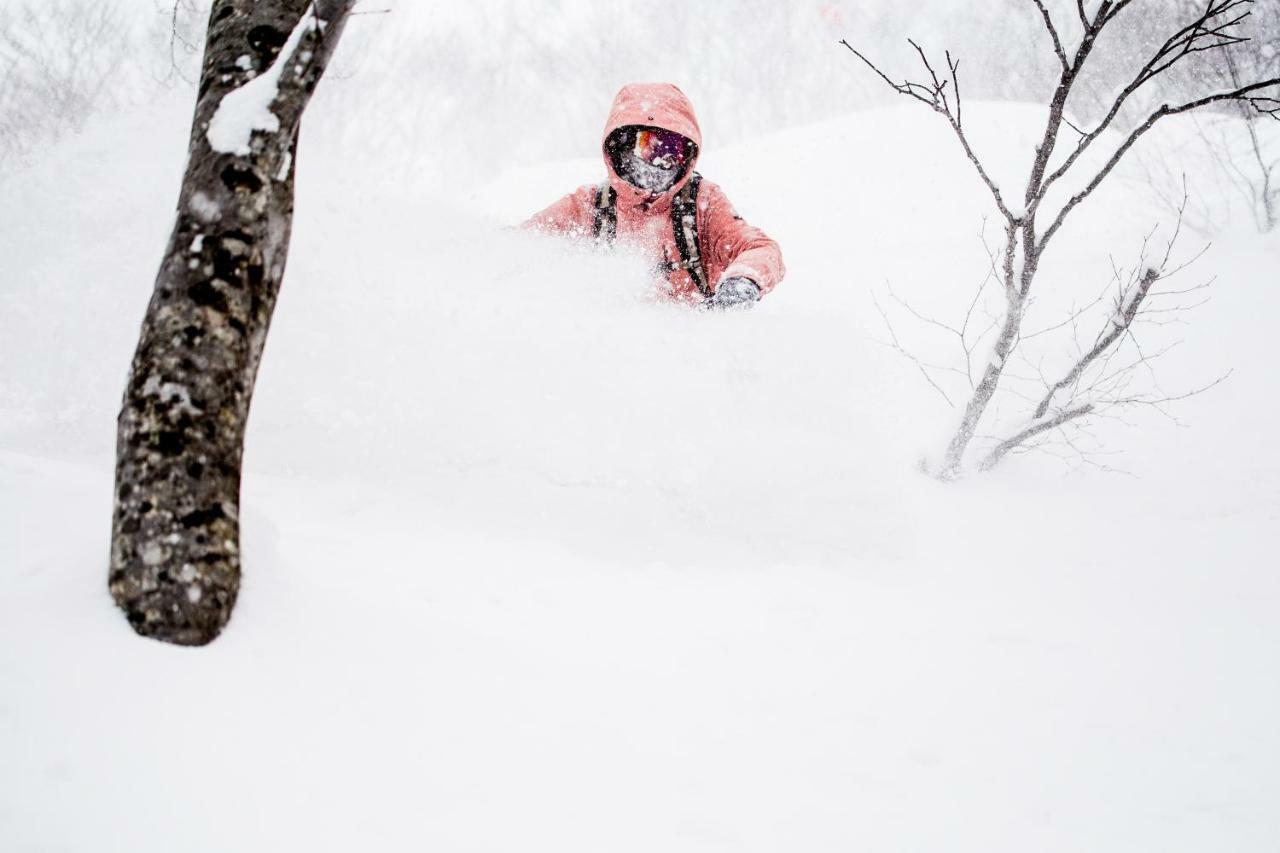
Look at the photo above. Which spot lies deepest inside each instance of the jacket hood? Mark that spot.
(656, 105)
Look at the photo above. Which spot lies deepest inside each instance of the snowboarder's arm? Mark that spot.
(571, 216)
(739, 249)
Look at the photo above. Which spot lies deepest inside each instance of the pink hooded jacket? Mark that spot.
(728, 245)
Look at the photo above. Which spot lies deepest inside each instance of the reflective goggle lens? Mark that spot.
(662, 148)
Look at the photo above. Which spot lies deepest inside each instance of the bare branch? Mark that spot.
(936, 99)
(1071, 318)
(921, 317)
(894, 344)
(1136, 134)
(176, 38)
(1119, 322)
(1053, 34)
(1069, 124)
(904, 88)
(1157, 402)
(954, 65)
(1084, 16)
(1031, 431)
(1186, 41)
(1108, 10)
(1266, 106)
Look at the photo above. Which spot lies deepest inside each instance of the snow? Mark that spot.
(285, 163)
(248, 108)
(204, 208)
(522, 541)
(168, 392)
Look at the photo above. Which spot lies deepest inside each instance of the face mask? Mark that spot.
(646, 176)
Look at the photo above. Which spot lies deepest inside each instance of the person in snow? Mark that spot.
(654, 199)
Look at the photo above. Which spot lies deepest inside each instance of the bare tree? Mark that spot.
(175, 555)
(1233, 151)
(1256, 174)
(58, 61)
(1030, 224)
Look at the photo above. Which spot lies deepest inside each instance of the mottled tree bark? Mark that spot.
(175, 553)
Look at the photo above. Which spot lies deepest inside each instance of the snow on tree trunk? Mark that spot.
(175, 554)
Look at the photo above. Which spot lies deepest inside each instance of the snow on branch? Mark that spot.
(175, 544)
(1118, 323)
(1110, 383)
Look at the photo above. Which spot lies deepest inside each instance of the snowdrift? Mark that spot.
(535, 560)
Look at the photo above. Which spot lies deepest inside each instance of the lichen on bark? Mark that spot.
(175, 552)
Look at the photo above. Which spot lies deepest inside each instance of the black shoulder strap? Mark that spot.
(606, 223)
(684, 225)
(684, 222)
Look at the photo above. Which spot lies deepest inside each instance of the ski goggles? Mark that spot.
(658, 147)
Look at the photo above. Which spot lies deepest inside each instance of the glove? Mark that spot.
(736, 292)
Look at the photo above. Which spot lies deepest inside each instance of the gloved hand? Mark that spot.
(736, 292)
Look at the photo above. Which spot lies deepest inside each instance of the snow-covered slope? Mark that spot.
(536, 562)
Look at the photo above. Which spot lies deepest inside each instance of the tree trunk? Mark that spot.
(175, 554)
(1019, 269)
(953, 460)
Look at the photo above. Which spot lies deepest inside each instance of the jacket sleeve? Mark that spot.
(572, 216)
(737, 248)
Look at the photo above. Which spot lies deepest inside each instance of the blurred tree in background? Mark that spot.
(751, 66)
